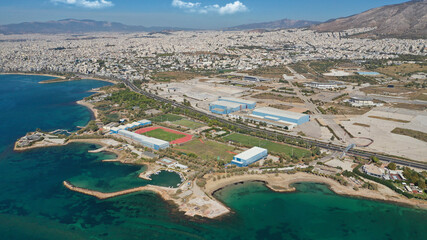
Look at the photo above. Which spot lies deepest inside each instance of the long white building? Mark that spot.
(145, 141)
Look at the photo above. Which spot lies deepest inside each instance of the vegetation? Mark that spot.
(272, 147)
(411, 133)
(163, 135)
(278, 97)
(208, 150)
(188, 123)
(166, 117)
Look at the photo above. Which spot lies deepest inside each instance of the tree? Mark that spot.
(391, 166)
(421, 184)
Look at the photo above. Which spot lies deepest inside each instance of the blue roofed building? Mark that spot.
(223, 107)
(277, 115)
(246, 104)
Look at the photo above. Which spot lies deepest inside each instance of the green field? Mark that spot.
(163, 135)
(209, 150)
(271, 146)
(166, 117)
(188, 123)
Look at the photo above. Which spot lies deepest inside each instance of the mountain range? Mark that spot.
(77, 26)
(408, 20)
(405, 20)
(280, 24)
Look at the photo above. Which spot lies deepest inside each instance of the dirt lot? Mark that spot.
(411, 93)
(269, 72)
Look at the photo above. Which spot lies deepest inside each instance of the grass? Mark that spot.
(271, 146)
(188, 123)
(389, 119)
(174, 76)
(209, 150)
(166, 117)
(278, 97)
(361, 124)
(411, 133)
(163, 135)
(402, 70)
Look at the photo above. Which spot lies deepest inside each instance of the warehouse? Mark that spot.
(249, 156)
(246, 104)
(149, 142)
(141, 123)
(278, 115)
(223, 107)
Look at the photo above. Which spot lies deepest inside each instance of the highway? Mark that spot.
(324, 145)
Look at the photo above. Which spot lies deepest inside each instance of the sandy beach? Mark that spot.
(283, 182)
(90, 106)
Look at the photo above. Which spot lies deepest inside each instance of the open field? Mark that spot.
(342, 109)
(166, 117)
(269, 72)
(417, 107)
(271, 146)
(174, 76)
(208, 150)
(389, 119)
(188, 123)
(163, 135)
(402, 70)
(400, 91)
(278, 97)
(411, 133)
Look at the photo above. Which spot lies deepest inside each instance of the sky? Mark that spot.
(203, 14)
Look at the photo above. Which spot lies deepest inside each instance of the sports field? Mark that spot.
(208, 150)
(166, 117)
(166, 134)
(271, 146)
(188, 123)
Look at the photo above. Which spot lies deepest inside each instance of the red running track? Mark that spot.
(186, 138)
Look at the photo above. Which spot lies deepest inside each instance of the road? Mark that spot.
(312, 142)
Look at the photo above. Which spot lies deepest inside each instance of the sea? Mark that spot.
(35, 205)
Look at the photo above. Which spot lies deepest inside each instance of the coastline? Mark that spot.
(283, 182)
(91, 107)
(60, 78)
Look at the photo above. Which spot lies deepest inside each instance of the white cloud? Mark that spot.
(86, 3)
(187, 5)
(229, 8)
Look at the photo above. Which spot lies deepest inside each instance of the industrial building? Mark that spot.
(281, 116)
(362, 102)
(145, 141)
(141, 123)
(223, 107)
(250, 156)
(246, 104)
(325, 85)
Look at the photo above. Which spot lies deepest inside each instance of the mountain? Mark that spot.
(76, 26)
(407, 20)
(283, 24)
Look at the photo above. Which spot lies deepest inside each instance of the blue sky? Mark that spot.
(183, 13)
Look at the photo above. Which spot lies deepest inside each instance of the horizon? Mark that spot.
(209, 15)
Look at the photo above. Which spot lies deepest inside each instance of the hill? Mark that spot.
(280, 24)
(76, 26)
(405, 20)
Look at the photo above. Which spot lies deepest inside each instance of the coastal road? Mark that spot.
(312, 142)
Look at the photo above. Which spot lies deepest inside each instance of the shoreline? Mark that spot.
(283, 182)
(61, 78)
(91, 107)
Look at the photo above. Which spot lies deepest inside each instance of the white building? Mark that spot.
(362, 102)
(325, 85)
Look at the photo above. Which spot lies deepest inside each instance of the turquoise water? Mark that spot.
(35, 205)
(368, 73)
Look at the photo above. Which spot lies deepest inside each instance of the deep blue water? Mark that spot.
(35, 205)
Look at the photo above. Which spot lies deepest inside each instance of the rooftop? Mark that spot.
(226, 104)
(250, 153)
